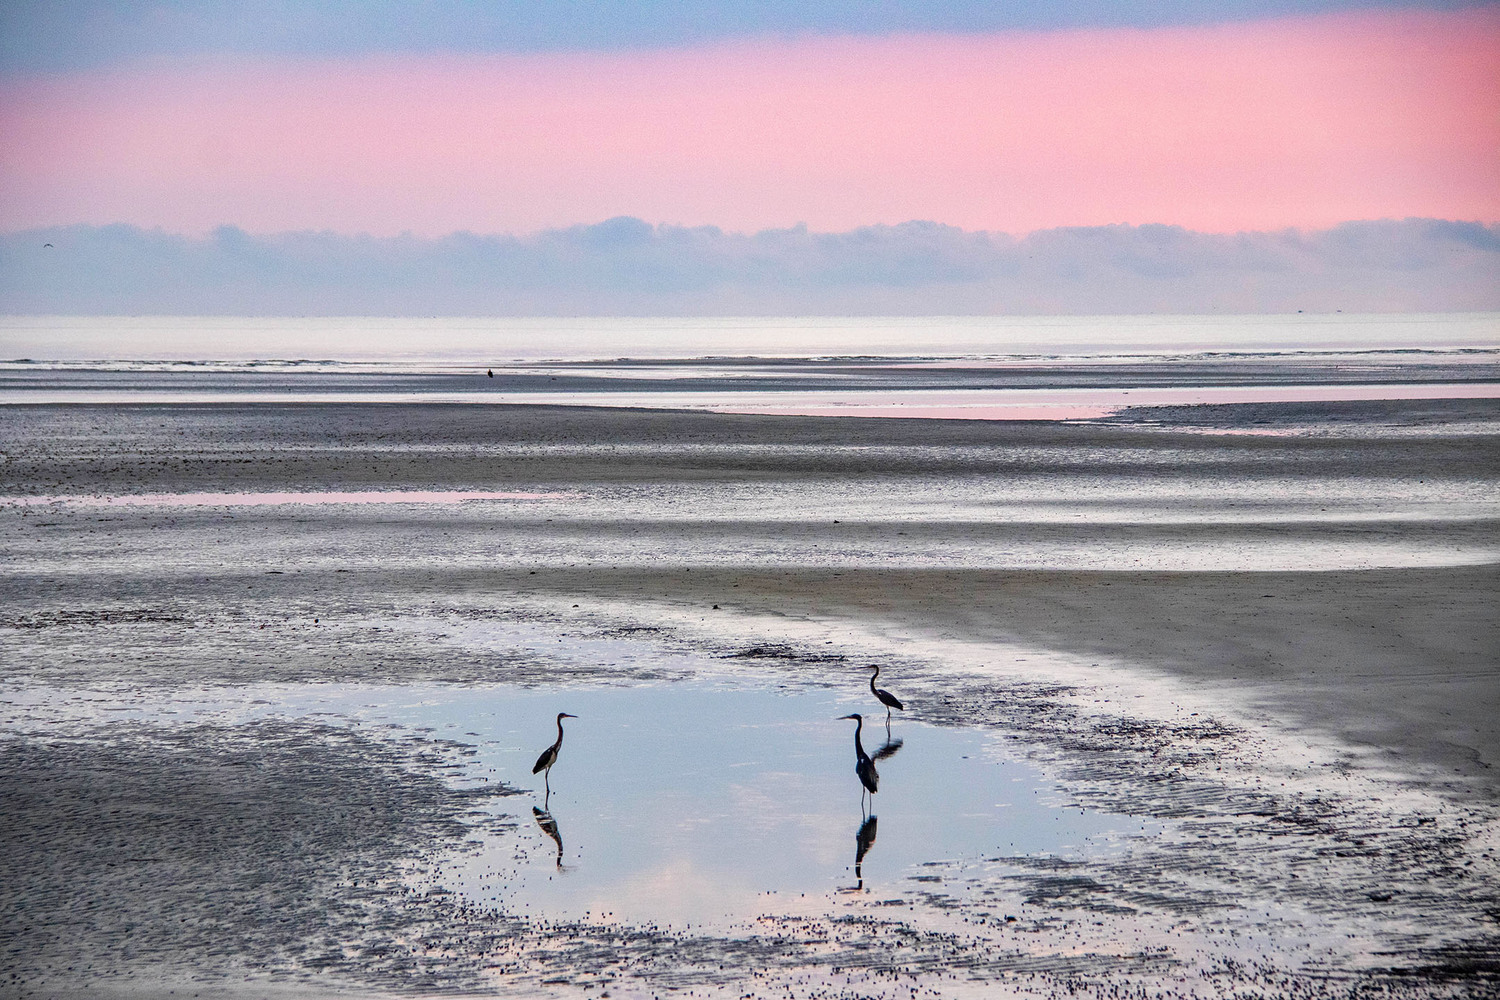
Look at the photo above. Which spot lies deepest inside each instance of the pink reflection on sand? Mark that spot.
(1001, 412)
(1061, 403)
(279, 499)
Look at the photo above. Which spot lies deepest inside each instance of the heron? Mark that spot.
(887, 699)
(863, 765)
(549, 755)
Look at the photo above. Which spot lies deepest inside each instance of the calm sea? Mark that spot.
(498, 341)
(1015, 368)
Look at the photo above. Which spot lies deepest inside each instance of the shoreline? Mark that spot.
(1337, 781)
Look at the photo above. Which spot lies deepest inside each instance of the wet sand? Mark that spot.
(1081, 589)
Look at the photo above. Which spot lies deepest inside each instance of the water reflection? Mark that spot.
(745, 796)
(864, 839)
(549, 827)
(869, 779)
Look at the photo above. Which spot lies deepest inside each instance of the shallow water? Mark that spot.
(280, 498)
(680, 804)
(987, 404)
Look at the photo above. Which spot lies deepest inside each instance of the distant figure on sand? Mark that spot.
(887, 699)
(549, 755)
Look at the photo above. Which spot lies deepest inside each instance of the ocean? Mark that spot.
(995, 368)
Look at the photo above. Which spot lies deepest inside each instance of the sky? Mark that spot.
(1000, 117)
(392, 119)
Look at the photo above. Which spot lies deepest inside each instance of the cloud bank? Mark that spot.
(625, 266)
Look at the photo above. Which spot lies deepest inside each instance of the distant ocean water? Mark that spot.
(993, 368)
(448, 341)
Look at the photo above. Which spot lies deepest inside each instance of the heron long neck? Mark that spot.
(859, 748)
(559, 732)
(873, 676)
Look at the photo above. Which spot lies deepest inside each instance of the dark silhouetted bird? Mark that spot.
(887, 699)
(549, 755)
(863, 765)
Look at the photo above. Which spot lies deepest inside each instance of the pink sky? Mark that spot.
(1303, 122)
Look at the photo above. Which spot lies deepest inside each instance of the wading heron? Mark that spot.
(863, 765)
(887, 699)
(549, 755)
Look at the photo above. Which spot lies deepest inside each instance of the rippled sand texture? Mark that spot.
(1270, 628)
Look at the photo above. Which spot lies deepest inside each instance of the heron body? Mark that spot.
(863, 765)
(887, 699)
(549, 755)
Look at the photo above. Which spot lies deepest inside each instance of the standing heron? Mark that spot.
(887, 699)
(863, 765)
(549, 755)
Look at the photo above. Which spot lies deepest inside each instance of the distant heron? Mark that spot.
(863, 765)
(549, 755)
(887, 699)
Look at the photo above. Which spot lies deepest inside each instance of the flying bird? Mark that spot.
(549, 755)
(887, 699)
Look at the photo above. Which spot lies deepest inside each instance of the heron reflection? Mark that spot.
(549, 827)
(864, 839)
(549, 757)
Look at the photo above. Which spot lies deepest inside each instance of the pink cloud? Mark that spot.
(1303, 122)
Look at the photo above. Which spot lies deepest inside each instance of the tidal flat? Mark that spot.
(1199, 701)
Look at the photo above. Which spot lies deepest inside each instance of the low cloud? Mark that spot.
(625, 266)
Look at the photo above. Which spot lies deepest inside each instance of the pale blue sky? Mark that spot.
(50, 35)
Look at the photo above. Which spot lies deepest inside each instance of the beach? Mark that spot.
(1264, 630)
